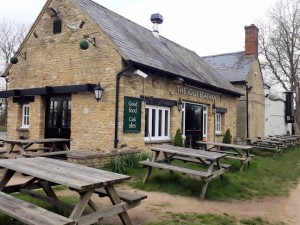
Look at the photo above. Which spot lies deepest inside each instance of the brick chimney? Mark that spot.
(251, 40)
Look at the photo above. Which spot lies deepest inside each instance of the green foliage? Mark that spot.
(227, 137)
(120, 164)
(14, 60)
(178, 140)
(84, 44)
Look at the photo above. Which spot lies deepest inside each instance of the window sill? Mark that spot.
(158, 141)
(23, 129)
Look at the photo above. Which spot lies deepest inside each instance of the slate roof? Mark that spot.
(232, 66)
(139, 45)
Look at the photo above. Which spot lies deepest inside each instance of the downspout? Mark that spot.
(118, 77)
(247, 111)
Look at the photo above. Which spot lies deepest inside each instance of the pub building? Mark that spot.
(146, 86)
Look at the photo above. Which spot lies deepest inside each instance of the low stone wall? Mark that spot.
(96, 159)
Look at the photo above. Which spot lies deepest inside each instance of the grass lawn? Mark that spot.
(266, 176)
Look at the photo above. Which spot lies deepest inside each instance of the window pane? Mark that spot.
(166, 123)
(146, 123)
(25, 116)
(159, 122)
(153, 122)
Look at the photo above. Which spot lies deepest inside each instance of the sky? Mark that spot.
(207, 27)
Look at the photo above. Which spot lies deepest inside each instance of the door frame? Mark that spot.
(204, 122)
(47, 102)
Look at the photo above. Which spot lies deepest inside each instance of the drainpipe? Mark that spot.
(118, 77)
(248, 89)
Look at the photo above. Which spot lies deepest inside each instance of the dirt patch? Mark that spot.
(275, 209)
(158, 205)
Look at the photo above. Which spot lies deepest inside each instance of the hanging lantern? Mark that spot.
(14, 60)
(84, 44)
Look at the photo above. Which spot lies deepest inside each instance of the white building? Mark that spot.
(275, 123)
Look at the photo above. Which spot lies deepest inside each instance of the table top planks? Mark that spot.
(189, 152)
(65, 173)
(35, 141)
(245, 147)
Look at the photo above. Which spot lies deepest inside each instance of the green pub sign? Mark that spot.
(132, 115)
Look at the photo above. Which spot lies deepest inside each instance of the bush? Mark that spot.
(178, 141)
(120, 164)
(227, 137)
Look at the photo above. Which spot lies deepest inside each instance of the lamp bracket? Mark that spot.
(91, 39)
(23, 55)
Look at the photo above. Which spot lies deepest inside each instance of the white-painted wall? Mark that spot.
(274, 118)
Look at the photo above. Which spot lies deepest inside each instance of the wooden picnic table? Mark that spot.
(45, 173)
(233, 151)
(35, 147)
(268, 144)
(169, 153)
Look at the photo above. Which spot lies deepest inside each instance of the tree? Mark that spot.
(12, 35)
(279, 44)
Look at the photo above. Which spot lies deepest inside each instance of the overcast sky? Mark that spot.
(207, 27)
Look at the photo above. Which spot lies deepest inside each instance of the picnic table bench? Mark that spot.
(208, 159)
(45, 173)
(29, 213)
(42, 147)
(235, 152)
(268, 145)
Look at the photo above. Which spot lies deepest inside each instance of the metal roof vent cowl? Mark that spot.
(156, 19)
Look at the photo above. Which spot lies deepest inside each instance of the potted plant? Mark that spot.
(178, 140)
(227, 137)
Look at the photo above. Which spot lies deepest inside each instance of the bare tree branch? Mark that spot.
(11, 37)
(279, 43)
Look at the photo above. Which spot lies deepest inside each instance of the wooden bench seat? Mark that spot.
(236, 158)
(193, 160)
(30, 214)
(126, 196)
(201, 174)
(3, 150)
(37, 154)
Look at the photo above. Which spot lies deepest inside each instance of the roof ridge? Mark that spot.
(223, 54)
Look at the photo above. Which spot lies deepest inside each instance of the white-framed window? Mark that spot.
(157, 123)
(218, 123)
(25, 116)
(204, 121)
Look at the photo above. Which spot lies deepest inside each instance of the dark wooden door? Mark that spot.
(58, 117)
(193, 125)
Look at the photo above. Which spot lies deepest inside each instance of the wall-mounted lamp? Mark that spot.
(98, 91)
(52, 12)
(214, 109)
(180, 105)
